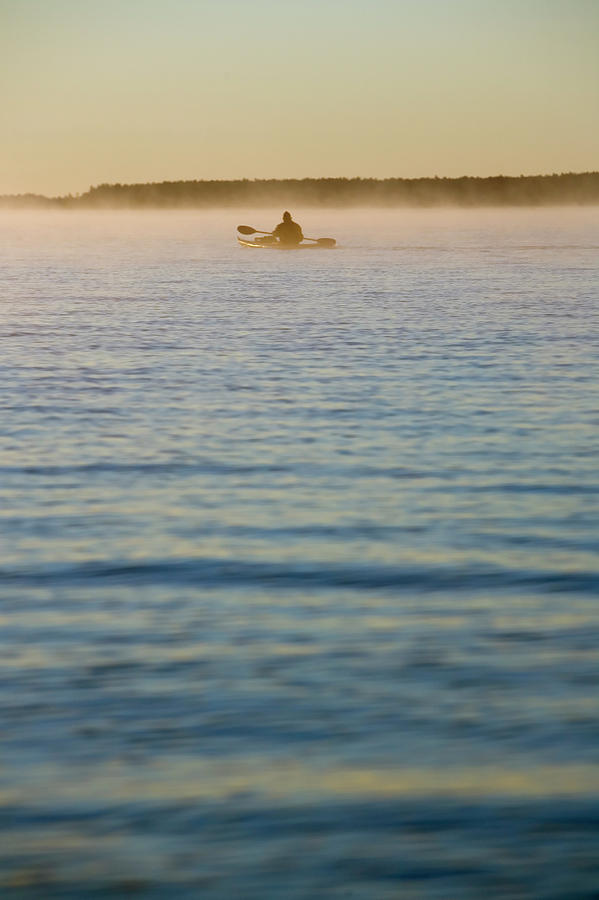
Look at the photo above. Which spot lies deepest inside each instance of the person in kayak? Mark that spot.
(288, 231)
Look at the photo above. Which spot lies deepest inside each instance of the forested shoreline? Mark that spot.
(500, 190)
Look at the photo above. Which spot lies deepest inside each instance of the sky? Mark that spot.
(106, 91)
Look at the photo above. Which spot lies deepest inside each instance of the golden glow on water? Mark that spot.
(180, 778)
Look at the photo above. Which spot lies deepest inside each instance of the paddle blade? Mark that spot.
(326, 242)
(246, 229)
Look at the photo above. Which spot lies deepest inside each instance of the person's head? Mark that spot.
(286, 216)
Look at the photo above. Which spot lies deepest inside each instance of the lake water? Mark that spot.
(299, 568)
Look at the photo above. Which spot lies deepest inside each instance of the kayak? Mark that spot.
(277, 246)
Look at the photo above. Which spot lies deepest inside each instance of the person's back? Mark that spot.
(288, 231)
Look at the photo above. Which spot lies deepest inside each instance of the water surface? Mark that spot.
(299, 556)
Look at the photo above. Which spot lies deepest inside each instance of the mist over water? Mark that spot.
(298, 574)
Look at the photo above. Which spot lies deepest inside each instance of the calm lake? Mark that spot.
(298, 566)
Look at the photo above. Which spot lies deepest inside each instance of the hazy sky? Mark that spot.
(95, 91)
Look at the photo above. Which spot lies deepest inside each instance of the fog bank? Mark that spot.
(500, 190)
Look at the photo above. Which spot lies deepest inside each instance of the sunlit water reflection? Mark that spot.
(299, 572)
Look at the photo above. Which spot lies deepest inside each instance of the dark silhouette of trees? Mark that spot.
(500, 190)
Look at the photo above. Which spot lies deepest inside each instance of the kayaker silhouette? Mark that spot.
(288, 231)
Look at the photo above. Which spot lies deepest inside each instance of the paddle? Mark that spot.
(324, 242)
(247, 229)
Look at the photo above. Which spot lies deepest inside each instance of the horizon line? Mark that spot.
(293, 180)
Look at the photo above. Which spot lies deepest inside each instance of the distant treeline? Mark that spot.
(500, 190)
